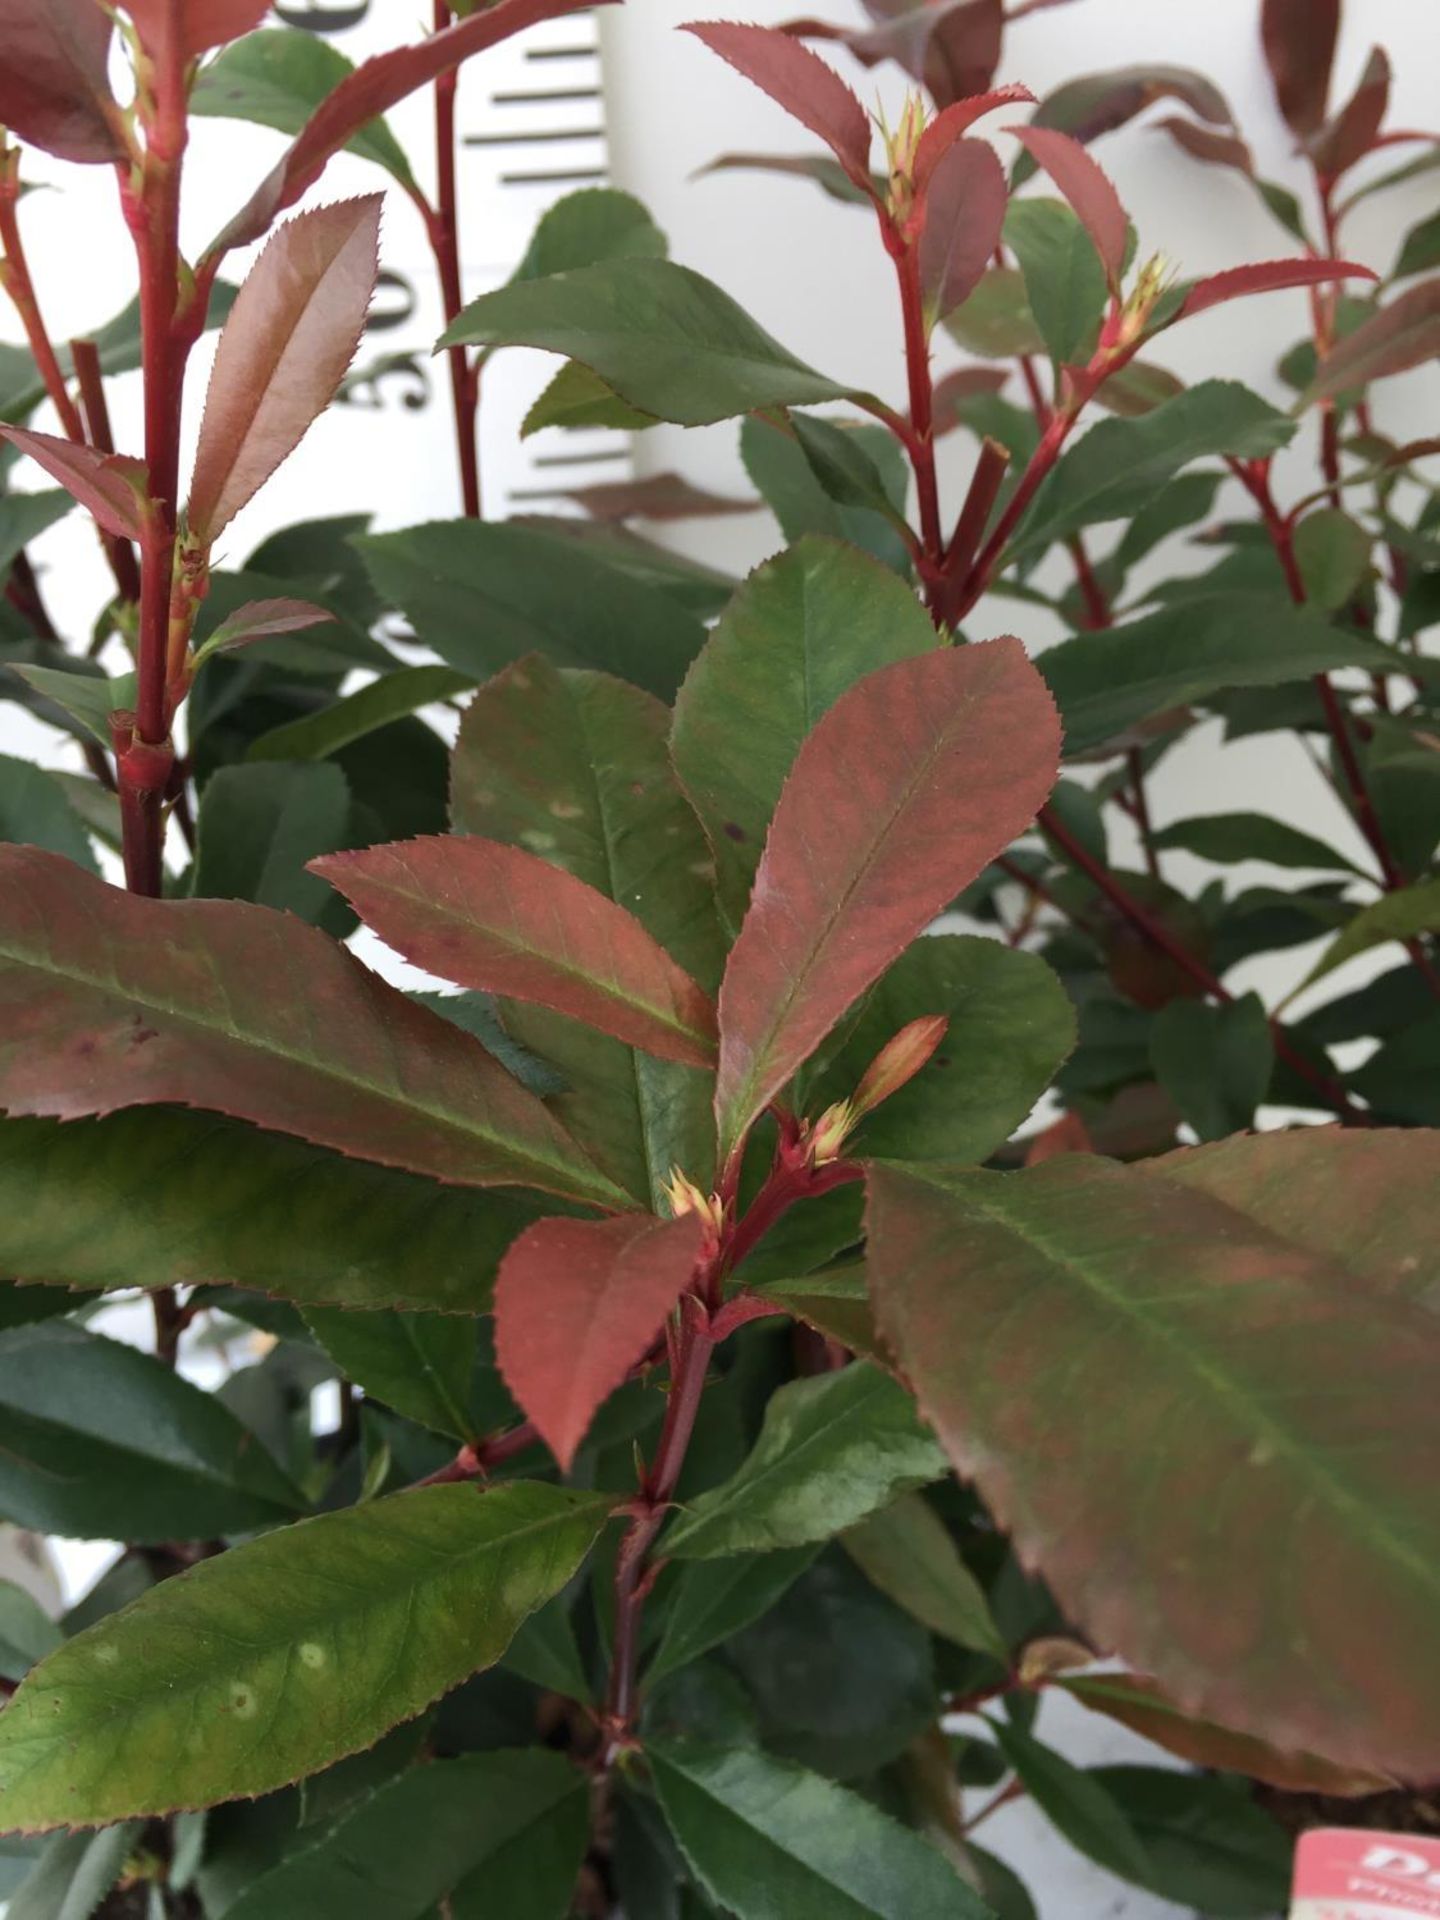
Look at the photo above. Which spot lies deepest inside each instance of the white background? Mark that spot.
(813, 273)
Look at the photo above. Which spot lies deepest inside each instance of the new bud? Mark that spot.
(898, 1060)
(685, 1197)
(830, 1133)
(900, 149)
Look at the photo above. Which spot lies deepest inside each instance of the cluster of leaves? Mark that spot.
(737, 1441)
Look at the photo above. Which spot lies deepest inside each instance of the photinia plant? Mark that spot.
(747, 1422)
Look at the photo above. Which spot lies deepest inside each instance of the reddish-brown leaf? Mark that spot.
(800, 82)
(54, 90)
(658, 496)
(1214, 1442)
(1097, 103)
(951, 46)
(283, 352)
(373, 88)
(111, 485)
(954, 389)
(1209, 144)
(262, 620)
(1299, 38)
(1265, 276)
(964, 211)
(906, 789)
(1087, 187)
(203, 23)
(1351, 134)
(108, 1000)
(577, 1304)
(1136, 1702)
(502, 920)
(1403, 335)
(954, 122)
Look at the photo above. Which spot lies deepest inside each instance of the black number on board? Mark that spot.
(316, 18)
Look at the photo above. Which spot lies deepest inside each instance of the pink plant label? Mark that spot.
(1343, 1873)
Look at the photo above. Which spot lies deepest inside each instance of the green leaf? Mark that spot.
(27, 1633)
(1106, 683)
(1179, 504)
(1011, 1028)
(257, 829)
(1075, 1802)
(667, 340)
(513, 1823)
(284, 1655)
(277, 78)
(769, 1841)
(710, 1604)
(35, 811)
(840, 463)
(906, 1551)
(598, 223)
(1229, 838)
(832, 1450)
(576, 397)
(89, 698)
(835, 1302)
(1225, 1443)
(1215, 1062)
(574, 767)
(777, 465)
(482, 596)
(1394, 916)
(99, 1440)
(1333, 552)
(1064, 279)
(418, 1363)
(546, 1653)
(189, 1199)
(1420, 250)
(317, 735)
(73, 1875)
(802, 630)
(20, 1305)
(1206, 1840)
(1120, 465)
(24, 517)
(996, 321)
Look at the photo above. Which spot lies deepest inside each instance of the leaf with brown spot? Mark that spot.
(1213, 1444)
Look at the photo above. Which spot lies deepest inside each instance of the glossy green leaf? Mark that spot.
(1232, 1449)
(770, 1841)
(513, 1823)
(277, 78)
(418, 1363)
(906, 1551)
(89, 698)
(74, 1874)
(1119, 465)
(1215, 1062)
(667, 340)
(801, 631)
(1011, 1027)
(711, 1603)
(1333, 554)
(282, 1656)
(35, 811)
(576, 397)
(1106, 683)
(832, 1449)
(1090, 1819)
(189, 1199)
(841, 465)
(1229, 838)
(597, 223)
(1394, 916)
(786, 481)
(546, 1653)
(482, 596)
(257, 829)
(27, 1633)
(165, 1001)
(98, 1439)
(1064, 279)
(1205, 1839)
(317, 735)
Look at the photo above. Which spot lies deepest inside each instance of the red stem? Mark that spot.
(443, 227)
(985, 485)
(86, 358)
(474, 1461)
(921, 443)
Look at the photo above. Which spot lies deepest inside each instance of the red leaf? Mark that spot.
(953, 122)
(965, 383)
(1087, 187)
(1098, 103)
(1299, 38)
(577, 1304)
(54, 90)
(503, 920)
(111, 485)
(952, 49)
(1351, 134)
(109, 1000)
(1403, 335)
(373, 88)
(203, 23)
(1216, 149)
(283, 352)
(964, 212)
(800, 82)
(659, 496)
(1265, 276)
(262, 620)
(910, 784)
